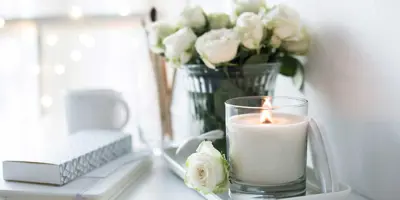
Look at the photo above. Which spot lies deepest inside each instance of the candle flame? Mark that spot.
(266, 113)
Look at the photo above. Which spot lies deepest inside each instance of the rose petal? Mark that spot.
(217, 46)
(208, 148)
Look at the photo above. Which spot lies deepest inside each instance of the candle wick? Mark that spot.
(266, 121)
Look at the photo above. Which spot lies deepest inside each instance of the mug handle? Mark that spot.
(126, 109)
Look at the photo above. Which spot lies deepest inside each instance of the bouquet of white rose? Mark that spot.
(258, 34)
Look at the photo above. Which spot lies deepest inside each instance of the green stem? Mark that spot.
(229, 64)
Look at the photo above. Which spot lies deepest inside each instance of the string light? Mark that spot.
(2, 22)
(87, 40)
(75, 12)
(51, 39)
(76, 55)
(124, 11)
(46, 101)
(59, 69)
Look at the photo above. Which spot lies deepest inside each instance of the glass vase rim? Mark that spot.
(302, 102)
(249, 64)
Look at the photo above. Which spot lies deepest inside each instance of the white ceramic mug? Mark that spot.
(95, 109)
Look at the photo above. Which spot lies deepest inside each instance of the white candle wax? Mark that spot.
(267, 154)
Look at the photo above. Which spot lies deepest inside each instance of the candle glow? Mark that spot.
(266, 113)
(267, 146)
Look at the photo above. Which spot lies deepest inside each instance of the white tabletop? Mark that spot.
(160, 183)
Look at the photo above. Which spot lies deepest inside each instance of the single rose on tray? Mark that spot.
(207, 170)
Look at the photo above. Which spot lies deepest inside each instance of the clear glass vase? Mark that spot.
(208, 89)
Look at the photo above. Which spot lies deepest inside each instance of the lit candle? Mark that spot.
(267, 148)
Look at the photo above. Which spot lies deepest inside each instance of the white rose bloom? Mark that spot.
(207, 170)
(298, 45)
(179, 47)
(253, 6)
(157, 32)
(275, 41)
(287, 29)
(193, 17)
(250, 29)
(280, 12)
(218, 20)
(217, 46)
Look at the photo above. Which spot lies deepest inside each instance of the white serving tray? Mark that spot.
(313, 191)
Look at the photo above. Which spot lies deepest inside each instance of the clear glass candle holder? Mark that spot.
(267, 146)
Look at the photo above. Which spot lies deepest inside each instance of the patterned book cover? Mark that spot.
(65, 159)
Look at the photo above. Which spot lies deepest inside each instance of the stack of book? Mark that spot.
(91, 165)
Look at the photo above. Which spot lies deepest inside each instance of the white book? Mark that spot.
(104, 183)
(64, 159)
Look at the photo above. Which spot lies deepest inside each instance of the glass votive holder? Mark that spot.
(267, 146)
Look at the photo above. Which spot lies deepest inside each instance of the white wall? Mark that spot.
(18, 75)
(352, 81)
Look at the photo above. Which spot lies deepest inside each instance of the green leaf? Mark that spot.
(243, 54)
(292, 67)
(224, 185)
(226, 90)
(257, 59)
(289, 65)
(227, 64)
(298, 78)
